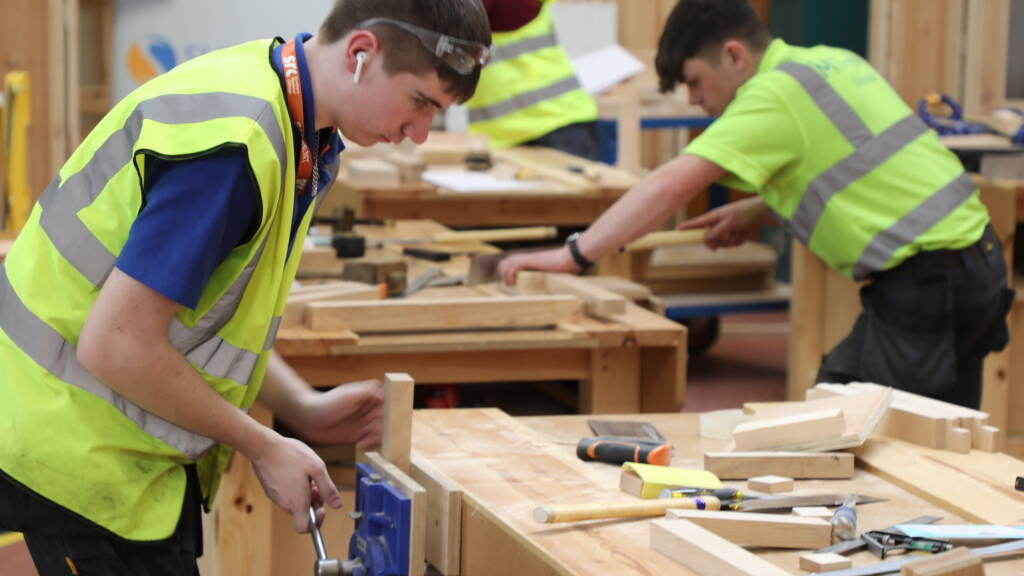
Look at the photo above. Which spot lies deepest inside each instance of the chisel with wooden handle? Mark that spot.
(640, 509)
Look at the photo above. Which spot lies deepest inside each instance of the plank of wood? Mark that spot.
(813, 512)
(976, 486)
(418, 495)
(812, 562)
(444, 516)
(295, 308)
(435, 315)
(862, 413)
(955, 562)
(705, 552)
(396, 442)
(767, 530)
(596, 300)
(806, 465)
(787, 431)
(771, 484)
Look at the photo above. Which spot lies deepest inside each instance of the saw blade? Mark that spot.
(785, 502)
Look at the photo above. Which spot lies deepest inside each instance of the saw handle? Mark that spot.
(613, 450)
(639, 509)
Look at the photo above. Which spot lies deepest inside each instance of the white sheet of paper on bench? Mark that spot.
(467, 182)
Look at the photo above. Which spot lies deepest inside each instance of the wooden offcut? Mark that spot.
(804, 465)
(790, 431)
(596, 300)
(707, 553)
(440, 315)
(771, 484)
(444, 516)
(862, 413)
(396, 441)
(955, 562)
(295, 308)
(812, 562)
(418, 495)
(765, 530)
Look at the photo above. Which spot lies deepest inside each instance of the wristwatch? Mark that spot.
(574, 250)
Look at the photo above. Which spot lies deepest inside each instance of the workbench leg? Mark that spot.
(241, 520)
(614, 383)
(663, 378)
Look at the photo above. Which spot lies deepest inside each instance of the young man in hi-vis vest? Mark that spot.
(828, 147)
(139, 306)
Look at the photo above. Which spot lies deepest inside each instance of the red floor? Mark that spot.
(746, 364)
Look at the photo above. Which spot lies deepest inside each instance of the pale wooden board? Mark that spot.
(771, 484)
(955, 562)
(789, 431)
(295, 308)
(977, 486)
(455, 314)
(705, 552)
(761, 530)
(596, 300)
(812, 562)
(444, 516)
(744, 465)
(861, 411)
(396, 441)
(418, 495)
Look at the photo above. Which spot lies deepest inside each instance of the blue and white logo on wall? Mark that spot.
(150, 57)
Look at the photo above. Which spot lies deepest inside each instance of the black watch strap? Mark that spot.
(574, 250)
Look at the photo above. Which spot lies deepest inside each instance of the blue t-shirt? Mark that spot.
(195, 211)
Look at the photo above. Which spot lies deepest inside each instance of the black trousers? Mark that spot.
(579, 139)
(63, 544)
(928, 323)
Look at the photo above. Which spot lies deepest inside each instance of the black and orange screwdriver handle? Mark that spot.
(618, 450)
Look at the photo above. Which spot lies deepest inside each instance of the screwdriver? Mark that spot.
(723, 494)
(844, 521)
(616, 450)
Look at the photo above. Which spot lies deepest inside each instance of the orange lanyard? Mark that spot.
(293, 90)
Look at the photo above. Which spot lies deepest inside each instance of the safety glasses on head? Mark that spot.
(462, 56)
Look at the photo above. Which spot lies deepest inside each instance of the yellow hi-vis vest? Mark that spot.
(63, 433)
(529, 88)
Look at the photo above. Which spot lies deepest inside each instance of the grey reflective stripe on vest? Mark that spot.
(524, 100)
(831, 103)
(844, 173)
(869, 153)
(918, 221)
(61, 203)
(47, 348)
(516, 49)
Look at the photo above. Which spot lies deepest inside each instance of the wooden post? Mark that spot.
(397, 441)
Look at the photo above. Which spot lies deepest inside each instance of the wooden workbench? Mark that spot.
(636, 363)
(508, 466)
(569, 200)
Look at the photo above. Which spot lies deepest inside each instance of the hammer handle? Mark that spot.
(642, 509)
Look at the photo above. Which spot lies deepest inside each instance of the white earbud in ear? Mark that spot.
(360, 58)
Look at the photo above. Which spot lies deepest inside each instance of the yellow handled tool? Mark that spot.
(17, 197)
(637, 509)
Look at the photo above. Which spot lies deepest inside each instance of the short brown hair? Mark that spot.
(462, 19)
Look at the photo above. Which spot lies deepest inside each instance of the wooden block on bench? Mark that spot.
(771, 484)
(806, 465)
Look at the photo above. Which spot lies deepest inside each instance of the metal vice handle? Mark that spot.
(329, 566)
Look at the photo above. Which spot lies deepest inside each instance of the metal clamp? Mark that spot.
(329, 566)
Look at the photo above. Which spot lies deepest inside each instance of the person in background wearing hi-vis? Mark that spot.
(529, 94)
(827, 146)
(139, 305)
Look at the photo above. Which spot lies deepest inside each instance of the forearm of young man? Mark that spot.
(124, 344)
(639, 211)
